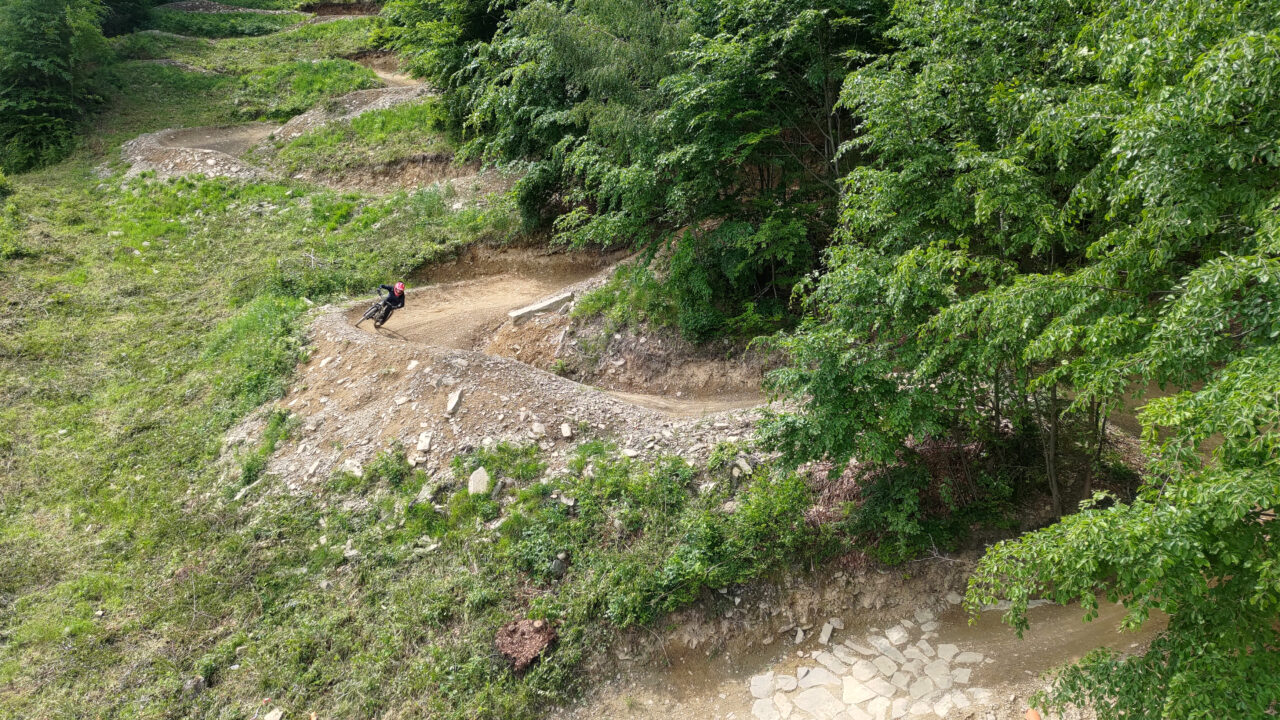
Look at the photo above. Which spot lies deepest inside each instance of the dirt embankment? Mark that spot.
(418, 382)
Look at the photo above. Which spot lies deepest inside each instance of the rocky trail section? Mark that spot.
(920, 665)
(469, 305)
(210, 151)
(217, 151)
(418, 382)
(363, 392)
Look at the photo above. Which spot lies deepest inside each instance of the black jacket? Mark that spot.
(395, 301)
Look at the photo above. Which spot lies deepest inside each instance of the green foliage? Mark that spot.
(6, 186)
(220, 25)
(502, 460)
(1197, 548)
(390, 466)
(48, 51)
(712, 125)
(1049, 214)
(631, 298)
(281, 91)
(279, 425)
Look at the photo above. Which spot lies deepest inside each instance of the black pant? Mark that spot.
(386, 313)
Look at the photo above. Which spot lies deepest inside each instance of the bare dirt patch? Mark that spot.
(208, 151)
(466, 300)
(523, 641)
(386, 66)
(416, 172)
(365, 390)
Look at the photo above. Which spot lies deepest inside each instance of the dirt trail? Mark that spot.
(921, 666)
(230, 139)
(462, 313)
(387, 67)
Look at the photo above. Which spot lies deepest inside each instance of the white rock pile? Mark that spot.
(897, 673)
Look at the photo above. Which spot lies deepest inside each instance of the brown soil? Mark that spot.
(471, 314)
(230, 139)
(385, 65)
(653, 362)
(342, 8)
(421, 171)
(522, 641)
(205, 6)
(461, 313)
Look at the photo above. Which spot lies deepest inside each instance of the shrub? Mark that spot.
(48, 49)
(124, 16)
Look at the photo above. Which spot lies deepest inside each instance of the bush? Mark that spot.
(124, 16)
(6, 186)
(282, 91)
(47, 51)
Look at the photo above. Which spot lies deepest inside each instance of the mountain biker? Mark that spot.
(392, 302)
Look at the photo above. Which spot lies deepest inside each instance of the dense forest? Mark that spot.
(986, 224)
(983, 219)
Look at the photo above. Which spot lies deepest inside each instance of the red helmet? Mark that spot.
(399, 288)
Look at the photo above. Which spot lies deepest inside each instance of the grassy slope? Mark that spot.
(375, 138)
(142, 319)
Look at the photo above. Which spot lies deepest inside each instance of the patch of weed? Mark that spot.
(375, 138)
(220, 25)
(281, 91)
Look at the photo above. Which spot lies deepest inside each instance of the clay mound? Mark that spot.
(207, 151)
(214, 8)
(522, 641)
(350, 106)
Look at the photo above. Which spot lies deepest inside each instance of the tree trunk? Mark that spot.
(1051, 452)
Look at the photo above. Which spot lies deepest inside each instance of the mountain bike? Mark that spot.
(376, 311)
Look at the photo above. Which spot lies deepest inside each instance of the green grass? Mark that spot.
(220, 25)
(237, 56)
(279, 92)
(374, 138)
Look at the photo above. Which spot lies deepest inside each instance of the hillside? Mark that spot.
(759, 360)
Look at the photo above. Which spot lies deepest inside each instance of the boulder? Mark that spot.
(478, 483)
